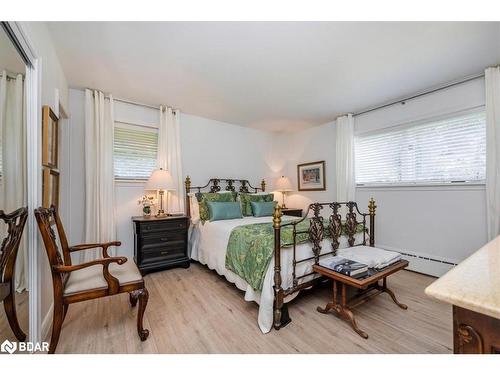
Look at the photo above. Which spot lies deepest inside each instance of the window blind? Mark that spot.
(446, 150)
(134, 152)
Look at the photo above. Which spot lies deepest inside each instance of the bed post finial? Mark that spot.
(372, 206)
(371, 209)
(263, 185)
(188, 184)
(277, 217)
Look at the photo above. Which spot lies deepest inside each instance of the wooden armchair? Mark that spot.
(95, 279)
(15, 222)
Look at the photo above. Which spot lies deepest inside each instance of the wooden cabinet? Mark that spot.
(475, 333)
(292, 211)
(160, 242)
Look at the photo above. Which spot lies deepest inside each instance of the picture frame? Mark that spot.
(311, 176)
(50, 138)
(50, 188)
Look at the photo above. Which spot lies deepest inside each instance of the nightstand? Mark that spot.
(292, 211)
(160, 242)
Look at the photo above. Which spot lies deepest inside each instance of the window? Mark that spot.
(446, 150)
(134, 152)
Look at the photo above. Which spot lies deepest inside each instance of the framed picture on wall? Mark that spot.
(50, 132)
(311, 176)
(50, 188)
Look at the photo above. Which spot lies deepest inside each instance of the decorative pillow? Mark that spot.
(224, 210)
(246, 207)
(263, 208)
(203, 198)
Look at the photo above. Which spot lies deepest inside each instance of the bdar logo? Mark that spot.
(8, 347)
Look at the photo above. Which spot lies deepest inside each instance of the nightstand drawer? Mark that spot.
(163, 238)
(153, 228)
(164, 253)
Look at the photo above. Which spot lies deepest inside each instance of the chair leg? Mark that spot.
(57, 322)
(133, 296)
(143, 296)
(9, 304)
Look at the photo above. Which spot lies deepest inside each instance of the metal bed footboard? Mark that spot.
(317, 231)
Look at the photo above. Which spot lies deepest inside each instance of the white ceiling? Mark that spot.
(271, 75)
(10, 59)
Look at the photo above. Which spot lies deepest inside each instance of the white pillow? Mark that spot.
(194, 208)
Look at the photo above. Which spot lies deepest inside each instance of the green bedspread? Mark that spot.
(250, 248)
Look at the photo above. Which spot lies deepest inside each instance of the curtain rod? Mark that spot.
(135, 103)
(430, 91)
(131, 102)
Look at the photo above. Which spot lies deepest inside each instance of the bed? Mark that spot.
(290, 267)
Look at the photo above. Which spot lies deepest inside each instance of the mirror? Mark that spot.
(13, 194)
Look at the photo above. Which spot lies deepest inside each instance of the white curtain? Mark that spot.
(344, 152)
(492, 79)
(13, 162)
(169, 156)
(99, 176)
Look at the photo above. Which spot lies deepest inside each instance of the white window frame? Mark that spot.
(468, 185)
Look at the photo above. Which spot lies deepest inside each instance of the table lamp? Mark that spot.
(160, 180)
(283, 185)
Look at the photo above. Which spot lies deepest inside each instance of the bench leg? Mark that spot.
(342, 309)
(385, 289)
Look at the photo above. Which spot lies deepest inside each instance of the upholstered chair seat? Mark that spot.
(92, 277)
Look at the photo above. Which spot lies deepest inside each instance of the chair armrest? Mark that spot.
(113, 282)
(104, 246)
(103, 261)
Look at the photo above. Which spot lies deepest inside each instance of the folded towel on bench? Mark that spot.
(373, 257)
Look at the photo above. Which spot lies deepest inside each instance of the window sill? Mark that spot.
(439, 186)
(129, 183)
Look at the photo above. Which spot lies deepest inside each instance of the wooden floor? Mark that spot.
(196, 311)
(22, 316)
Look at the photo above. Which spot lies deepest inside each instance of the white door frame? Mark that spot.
(34, 174)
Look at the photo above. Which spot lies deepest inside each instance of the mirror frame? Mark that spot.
(25, 47)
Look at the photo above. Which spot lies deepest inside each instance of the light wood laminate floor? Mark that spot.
(197, 311)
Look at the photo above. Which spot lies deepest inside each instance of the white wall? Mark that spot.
(52, 73)
(209, 149)
(310, 145)
(446, 223)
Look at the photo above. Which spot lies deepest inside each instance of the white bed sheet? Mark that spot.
(208, 245)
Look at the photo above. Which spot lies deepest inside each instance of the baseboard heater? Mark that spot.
(427, 258)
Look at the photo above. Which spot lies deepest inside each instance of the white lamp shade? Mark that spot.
(283, 184)
(160, 180)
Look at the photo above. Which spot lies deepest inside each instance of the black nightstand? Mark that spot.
(160, 242)
(292, 211)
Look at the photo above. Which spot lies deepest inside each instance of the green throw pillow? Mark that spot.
(224, 210)
(203, 198)
(246, 199)
(263, 208)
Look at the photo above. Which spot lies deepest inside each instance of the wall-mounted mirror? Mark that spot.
(13, 194)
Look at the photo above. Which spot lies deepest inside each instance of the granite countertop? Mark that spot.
(474, 284)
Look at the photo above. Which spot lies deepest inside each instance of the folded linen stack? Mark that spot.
(373, 257)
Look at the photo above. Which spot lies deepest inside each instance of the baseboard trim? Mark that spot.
(47, 323)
